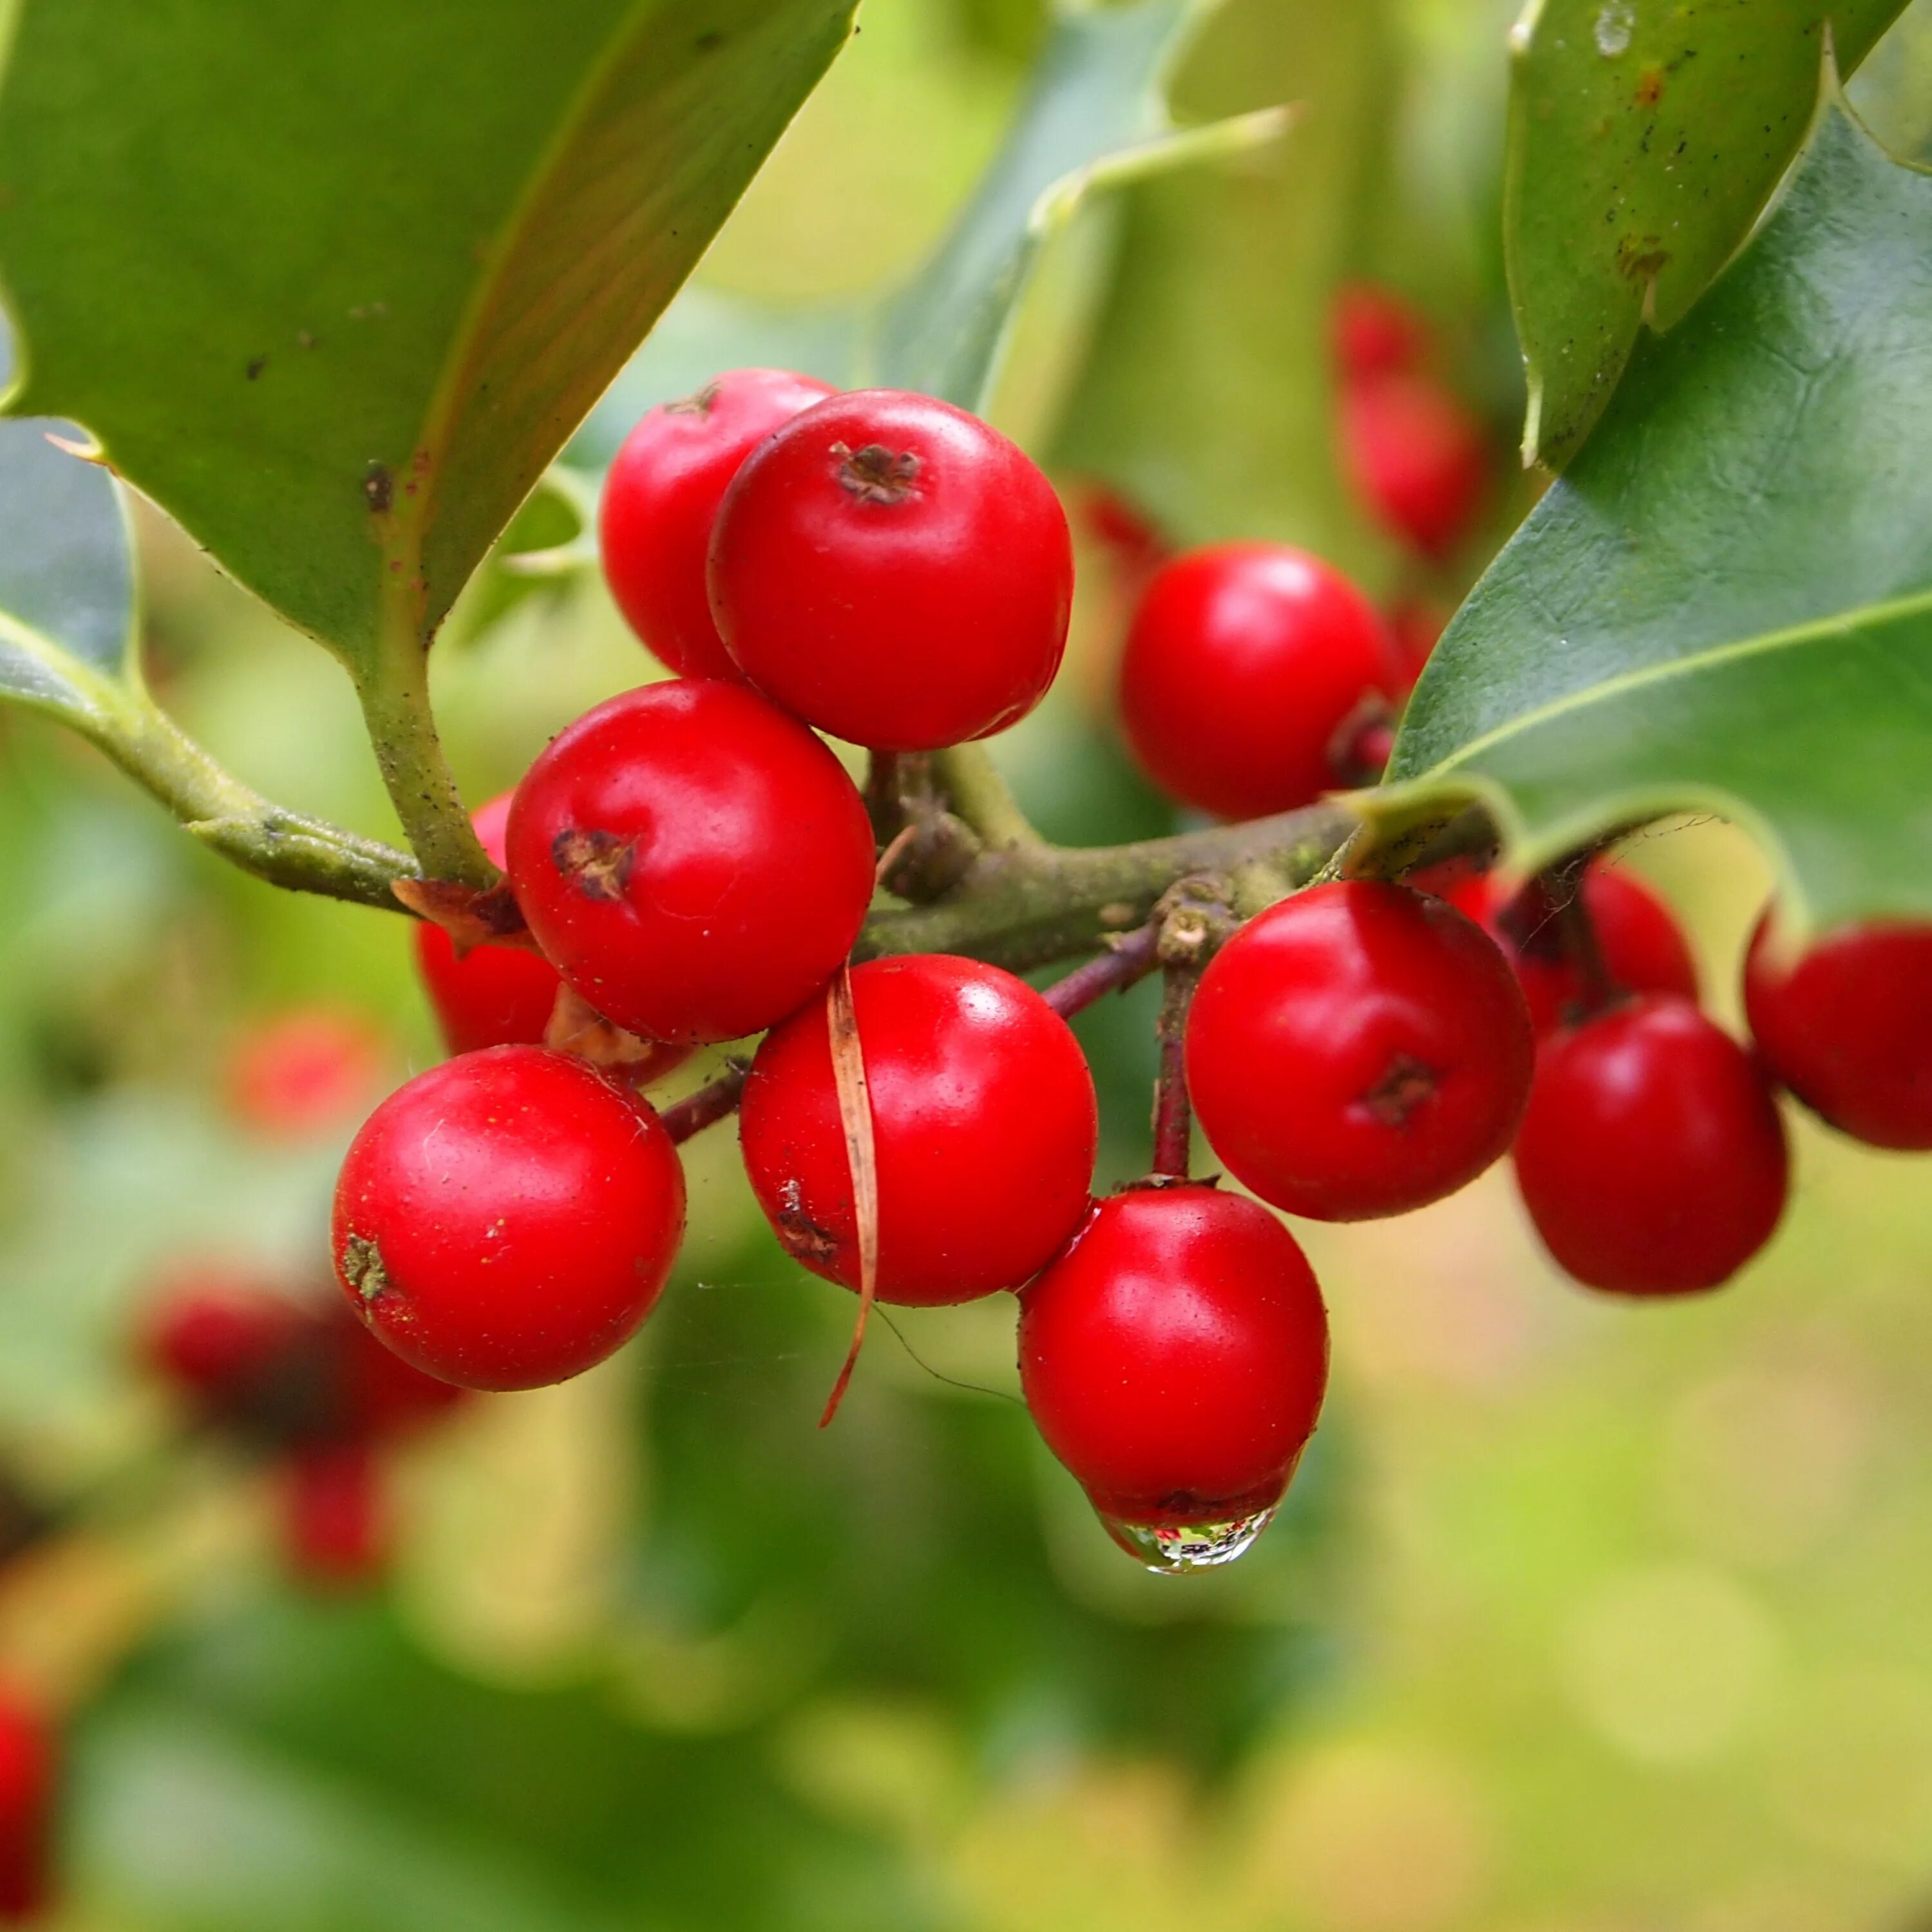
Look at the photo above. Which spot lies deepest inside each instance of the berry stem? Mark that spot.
(710, 1104)
(1193, 920)
(1130, 958)
(286, 848)
(1576, 931)
(885, 795)
(969, 777)
(1173, 1116)
(396, 708)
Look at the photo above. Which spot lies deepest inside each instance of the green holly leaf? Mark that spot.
(1208, 397)
(1726, 604)
(67, 575)
(1644, 141)
(333, 284)
(1095, 116)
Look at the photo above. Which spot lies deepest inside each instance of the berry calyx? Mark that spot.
(984, 1128)
(694, 863)
(1651, 1158)
(507, 1218)
(1418, 456)
(1358, 1050)
(660, 498)
(1244, 664)
(1174, 1358)
(1847, 1026)
(1639, 943)
(492, 995)
(894, 571)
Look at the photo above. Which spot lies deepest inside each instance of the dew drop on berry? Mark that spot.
(1178, 1550)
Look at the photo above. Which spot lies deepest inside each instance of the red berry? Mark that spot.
(29, 1787)
(1652, 1159)
(695, 863)
(660, 498)
(1642, 948)
(1358, 1050)
(894, 571)
(494, 995)
(1418, 456)
(335, 1517)
(219, 1340)
(1374, 332)
(304, 1072)
(983, 1123)
(507, 1218)
(1174, 1358)
(1244, 662)
(1848, 1026)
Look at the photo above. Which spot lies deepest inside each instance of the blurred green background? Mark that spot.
(1581, 1618)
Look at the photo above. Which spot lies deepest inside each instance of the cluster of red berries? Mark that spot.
(1416, 453)
(300, 1385)
(693, 867)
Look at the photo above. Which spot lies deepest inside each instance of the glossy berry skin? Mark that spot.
(1358, 1050)
(694, 863)
(983, 1123)
(1417, 457)
(660, 498)
(894, 571)
(494, 995)
(1652, 1159)
(1848, 1026)
(1244, 666)
(507, 1218)
(1174, 1357)
(1642, 947)
(30, 1770)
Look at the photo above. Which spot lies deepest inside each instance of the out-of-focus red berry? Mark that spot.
(304, 1072)
(1418, 456)
(1374, 333)
(29, 1787)
(335, 1515)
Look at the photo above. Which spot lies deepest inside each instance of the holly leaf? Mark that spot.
(333, 284)
(1644, 142)
(1095, 116)
(1208, 397)
(1726, 604)
(67, 576)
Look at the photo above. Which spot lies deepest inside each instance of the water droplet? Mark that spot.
(1614, 26)
(1177, 1550)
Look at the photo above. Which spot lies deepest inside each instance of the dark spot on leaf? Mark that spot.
(598, 863)
(379, 487)
(1638, 260)
(257, 364)
(708, 43)
(876, 474)
(1650, 87)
